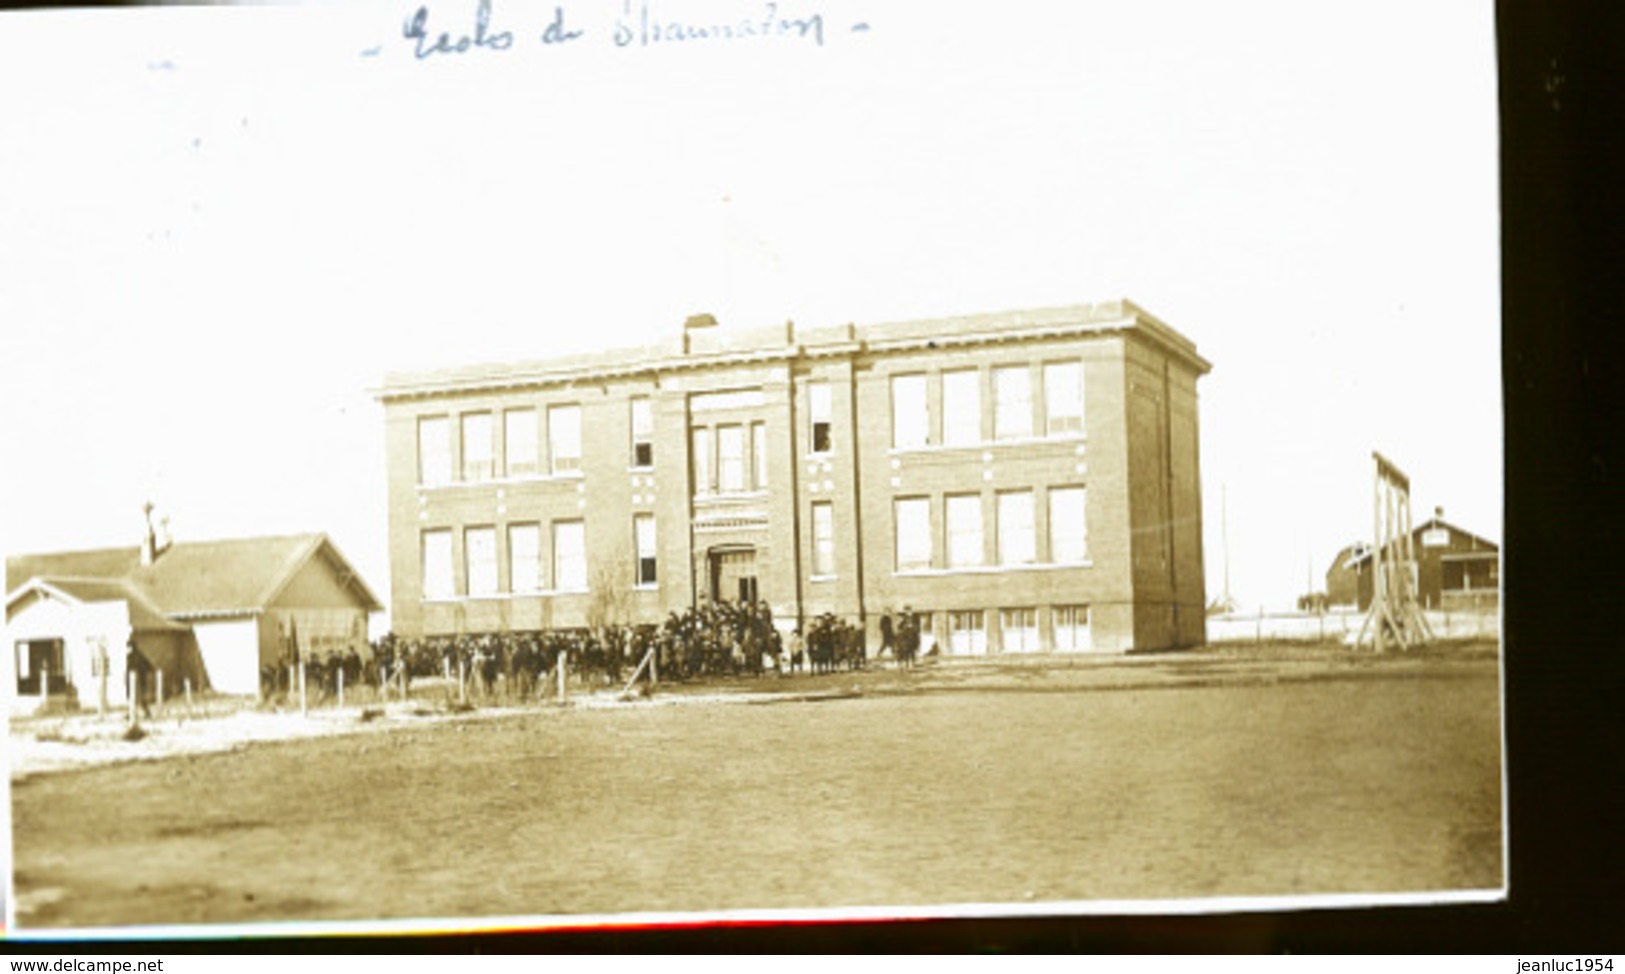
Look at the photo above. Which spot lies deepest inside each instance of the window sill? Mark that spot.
(930, 448)
(822, 578)
(990, 569)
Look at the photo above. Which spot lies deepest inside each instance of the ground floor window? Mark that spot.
(1072, 628)
(1019, 630)
(967, 633)
(37, 656)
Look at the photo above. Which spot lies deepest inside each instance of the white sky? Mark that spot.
(220, 227)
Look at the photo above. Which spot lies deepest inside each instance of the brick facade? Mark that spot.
(810, 525)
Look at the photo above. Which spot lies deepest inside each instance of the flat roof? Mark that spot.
(709, 347)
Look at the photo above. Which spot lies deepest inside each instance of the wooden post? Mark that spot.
(341, 687)
(44, 684)
(134, 683)
(462, 690)
(159, 695)
(564, 658)
(302, 703)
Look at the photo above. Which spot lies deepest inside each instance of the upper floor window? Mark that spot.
(1017, 544)
(962, 407)
(480, 560)
(438, 578)
(702, 459)
(479, 461)
(730, 458)
(758, 452)
(434, 451)
(643, 433)
(643, 537)
(823, 526)
(1068, 529)
(1063, 397)
(1013, 402)
(564, 438)
(524, 557)
(913, 515)
(519, 443)
(819, 409)
(964, 515)
(570, 556)
(909, 422)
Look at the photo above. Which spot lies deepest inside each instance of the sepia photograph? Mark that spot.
(499, 464)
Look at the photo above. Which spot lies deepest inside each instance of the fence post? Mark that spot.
(44, 685)
(159, 694)
(564, 661)
(341, 687)
(462, 692)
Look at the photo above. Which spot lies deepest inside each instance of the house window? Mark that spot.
(519, 443)
(643, 433)
(962, 407)
(478, 459)
(569, 556)
(438, 578)
(643, 537)
(1068, 528)
(909, 423)
(1018, 630)
(564, 438)
(819, 394)
(1072, 632)
(1013, 402)
(965, 531)
(434, 451)
(758, 452)
(524, 557)
(913, 516)
(1063, 397)
(480, 560)
(730, 459)
(823, 524)
(1017, 542)
(967, 633)
(702, 459)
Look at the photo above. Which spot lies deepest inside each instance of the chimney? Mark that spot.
(149, 540)
(693, 322)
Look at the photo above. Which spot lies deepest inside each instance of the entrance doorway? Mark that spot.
(35, 656)
(733, 575)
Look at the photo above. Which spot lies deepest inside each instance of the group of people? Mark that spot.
(714, 639)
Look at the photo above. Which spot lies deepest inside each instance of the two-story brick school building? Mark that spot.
(1025, 480)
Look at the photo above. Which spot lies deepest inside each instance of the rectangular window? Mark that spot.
(823, 525)
(478, 460)
(438, 580)
(965, 531)
(643, 537)
(519, 443)
(730, 458)
(569, 556)
(643, 433)
(967, 633)
(480, 560)
(1018, 630)
(564, 438)
(1072, 633)
(818, 393)
(909, 422)
(702, 459)
(962, 407)
(524, 557)
(913, 515)
(1063, 397)
(1017, 541)
(434, 451)
(1012, 402)
(758, 452)
(1068, 527)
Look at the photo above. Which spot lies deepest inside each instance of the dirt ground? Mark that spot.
(1269, 771)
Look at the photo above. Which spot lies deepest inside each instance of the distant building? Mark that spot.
(1024, 481)
(212, 612)
(1455, 569)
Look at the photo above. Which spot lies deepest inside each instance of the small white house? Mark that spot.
(213, 615)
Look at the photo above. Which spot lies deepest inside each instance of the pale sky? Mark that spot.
(219, 228)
